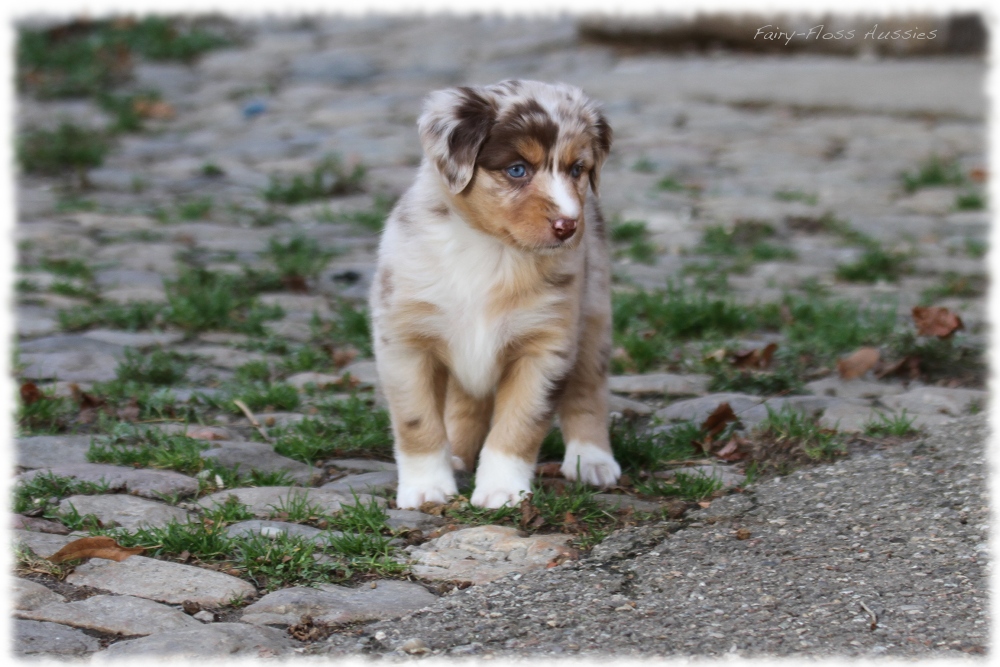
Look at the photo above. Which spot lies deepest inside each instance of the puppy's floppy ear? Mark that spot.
(453, 127)
(602, 145)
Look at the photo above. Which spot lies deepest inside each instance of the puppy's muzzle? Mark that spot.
(563, 228)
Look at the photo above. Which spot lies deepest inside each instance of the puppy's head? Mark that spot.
(517, 158)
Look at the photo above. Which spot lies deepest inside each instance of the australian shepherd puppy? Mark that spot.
(491, 305)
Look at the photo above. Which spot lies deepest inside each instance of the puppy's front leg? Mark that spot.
(414, 383)
(522, 415)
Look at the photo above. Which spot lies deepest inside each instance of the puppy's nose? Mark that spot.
(563, 228)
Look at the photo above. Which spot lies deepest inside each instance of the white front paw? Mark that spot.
(424, 478)
(501, 479)
(590, 464)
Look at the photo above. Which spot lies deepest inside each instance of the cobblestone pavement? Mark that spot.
(194, 271)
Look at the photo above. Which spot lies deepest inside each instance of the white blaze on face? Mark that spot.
(563, 196)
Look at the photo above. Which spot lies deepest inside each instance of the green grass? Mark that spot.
(644, 166)
(298, 258)
(266, 397)
(796, 195)
(372, 219)
(150, 448)
(69, 149)
(953, 284)
(69, 268)
(87, 58)
(789, 435)
(212, 170)
(124, 110)
(158, 367)
(671, 184)
(46, 416)
(970, 201)
(784, 378)
(201, 300)
(875, 264)
(890, 425)
(744, 243)
(195, 209)
(684, 486)
(328, 179)
(975, 248)
(934, 172)
(44, 491)
(132, 316)
(635, 237)
(341, 427)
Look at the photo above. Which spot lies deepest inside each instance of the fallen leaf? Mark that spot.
(759, 358)
(94, 547)
(716, 355)
(716, 422)
(343, 356)
(206, 434)
(31, 394)
(295, 284)
(549, 470)
(978, 175)
(528, 512)
(909, 365)
(155, 109)
(732, 450)
(936, 321)
(858, 363)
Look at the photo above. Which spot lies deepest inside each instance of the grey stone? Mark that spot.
(336, 67)
(43, 451)
(724, 474)
(153, 257)
(274, 529)
(227, 357)
(366, 482)
(79, 366)
(727, 507)
(362, 371)
(485, 553)
(161, 580)
(615, 501)
(31, 321)
(320, 380)
(361, 465)
(748, 408)
(659, 384)
(35, 638)
(29, 595)
(124, 510)
(937, 400)
(412, 520)
(260, 456)
(834, 386)
(146, 483)
(135, 295)
(263, 501)
(199, 431)
(42, 544)
(142, 340)
(303, 304)
(128, 278)
(115, 614)
(218, 640)
(338, 604)
(623, 405)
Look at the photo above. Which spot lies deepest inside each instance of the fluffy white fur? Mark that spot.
(501, 479)
(596, 466)
(424, 478)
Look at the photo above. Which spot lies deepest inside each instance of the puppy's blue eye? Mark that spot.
(516, 171)
(576, 170)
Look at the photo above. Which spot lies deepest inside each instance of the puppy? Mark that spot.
(491, 304)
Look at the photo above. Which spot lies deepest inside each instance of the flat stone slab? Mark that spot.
(227, 357)
(485, 553)
(142, 340)
(247, 456)
(338, 604)
(361, 465)
(660, 384)
(141, 482)
(301, 380)
(37, 638)
(362, 371)
(217, 640)
(726, 475)
(29, 595)
(265, 500)
(43, 451)
(121, 614)
(623, 405)
(834, 386)
(365, 482)
(42, 544)
(199, 432)
(275, 529)
(747, 407)
(412, 520)
(937, 400)
(615, 500)
(74, 366)
(124, 510)
(161, 580)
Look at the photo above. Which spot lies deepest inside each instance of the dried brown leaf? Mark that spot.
(936, 321)
(94, 547)
(30, 393)
(758, 358)
(858, 363)
(716, 422)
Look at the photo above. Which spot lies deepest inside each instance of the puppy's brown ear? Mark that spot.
(453, 127)
(602, 146)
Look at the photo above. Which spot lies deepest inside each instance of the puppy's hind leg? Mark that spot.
(467, 420)
(414, 383)
(583, 410)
